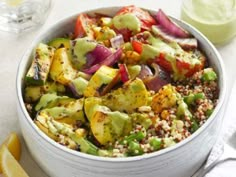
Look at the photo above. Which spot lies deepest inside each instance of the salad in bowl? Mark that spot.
(122, 85)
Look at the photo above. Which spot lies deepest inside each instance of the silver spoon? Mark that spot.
(223, 151)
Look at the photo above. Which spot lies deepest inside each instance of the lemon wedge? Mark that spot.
(9, 165)
(13, 145)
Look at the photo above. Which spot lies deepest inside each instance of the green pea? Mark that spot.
(135, 136)
(156, 143)
(194, 126)
(134, 148)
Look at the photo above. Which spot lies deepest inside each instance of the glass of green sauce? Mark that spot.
(216, 19)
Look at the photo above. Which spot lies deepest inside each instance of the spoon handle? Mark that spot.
(221, 152)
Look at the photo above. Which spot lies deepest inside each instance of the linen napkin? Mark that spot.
(228, 135)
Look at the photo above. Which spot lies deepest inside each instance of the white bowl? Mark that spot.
(180, 160)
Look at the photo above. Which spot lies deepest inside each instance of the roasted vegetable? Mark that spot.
(50, 100)
(171, 26)
(109, 61)
(83, 26)
(78, 86)
(165, 98)
(71, 111)
(60, 43)
(132, 95)
(90, 105)
(102, 77)
(61, 69)
(109, 126)
(39, 69)
(104, 34)
(33, 93)
(53, 128)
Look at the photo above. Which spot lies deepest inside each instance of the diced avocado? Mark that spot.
(79, 84)
(79, 50)
(103, 76)
(72, 110)
(39, 69)
(109, 126)
(60, 43)
(61, 69)
(128, 98)
(33, 93)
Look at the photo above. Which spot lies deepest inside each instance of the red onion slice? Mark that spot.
(154, 81)
(185, 43)
(170, 26)
(109, 61)
(145, 72)
(97, 55)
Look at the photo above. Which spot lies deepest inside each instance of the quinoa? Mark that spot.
(171, 130)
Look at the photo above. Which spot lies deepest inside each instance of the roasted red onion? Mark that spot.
(97, 55)
(145, 72)
(154, 81)
(185, 43)
(171, 26)
(109, 61)
(126, 33)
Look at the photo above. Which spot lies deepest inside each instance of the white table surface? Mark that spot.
(12, 48)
